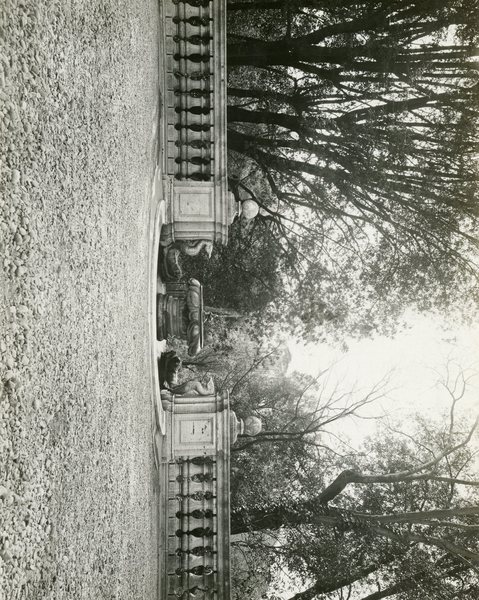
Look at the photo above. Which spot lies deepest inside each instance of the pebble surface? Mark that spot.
(78, 117)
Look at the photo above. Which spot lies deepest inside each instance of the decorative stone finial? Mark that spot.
(249, 209)
(252, 425)
(249, 426)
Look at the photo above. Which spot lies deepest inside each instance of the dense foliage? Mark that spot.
(354, 125)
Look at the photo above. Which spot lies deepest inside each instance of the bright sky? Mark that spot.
(418, 359)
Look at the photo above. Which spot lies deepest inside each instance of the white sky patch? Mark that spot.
(417, 359)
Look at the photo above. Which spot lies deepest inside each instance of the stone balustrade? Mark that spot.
(194, 114)
(195, 509)
(194, 517)
(193, 454)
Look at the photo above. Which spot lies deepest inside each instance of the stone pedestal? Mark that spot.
(180, 313)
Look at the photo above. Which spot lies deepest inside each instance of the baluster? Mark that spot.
(196, 176)
(196, 3)
(195, 40)
(197, 145)
(196, 127)
(195, 57)
(194, 110)
(195, 21)
(197, 532)
(194, 160)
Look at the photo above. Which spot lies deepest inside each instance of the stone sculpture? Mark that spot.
(170, 267)
(194, 387)
(180, 314)
(169, 365)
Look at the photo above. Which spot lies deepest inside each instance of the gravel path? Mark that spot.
(78, 114)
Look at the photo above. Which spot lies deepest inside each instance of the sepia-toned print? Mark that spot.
(239, 325)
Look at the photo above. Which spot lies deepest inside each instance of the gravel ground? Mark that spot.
(78, 114)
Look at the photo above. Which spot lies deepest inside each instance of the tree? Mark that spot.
(354, 124)
(400, 518)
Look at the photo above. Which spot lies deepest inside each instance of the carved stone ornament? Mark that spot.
(252, 425)
(249, 426)
(249, 209)
(194, 306)
(169, 365)
(170, 251)
(194, 387)
(180, 313)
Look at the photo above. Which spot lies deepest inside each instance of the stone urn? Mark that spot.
(180, 313)
(250, 426)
